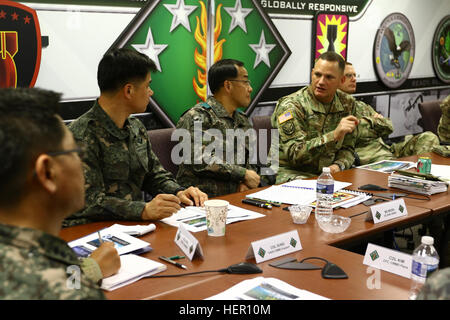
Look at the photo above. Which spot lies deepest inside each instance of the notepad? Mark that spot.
(132, 269)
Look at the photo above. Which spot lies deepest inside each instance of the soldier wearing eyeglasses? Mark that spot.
(370, 146)
(231, 90)
(444, 122)
(41, 183)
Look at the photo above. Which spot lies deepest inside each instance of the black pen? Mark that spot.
(179, 265)
(257, 203)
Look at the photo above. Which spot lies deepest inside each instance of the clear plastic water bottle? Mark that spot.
(324, 192)
(425, 261)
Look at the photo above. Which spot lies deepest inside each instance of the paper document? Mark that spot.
(132, 268)
(261, 288)
(441, 171)
(294, 192)
(347, 198)
(388, 166)
(194, 218)
(123, 242)
(134, 230)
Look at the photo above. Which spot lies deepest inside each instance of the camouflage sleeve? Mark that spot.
(444, 122)
(91, 269)
(207, 154)
(437, 287)
(292, 125)
(100, 205)
(345, 156)
(382, 126)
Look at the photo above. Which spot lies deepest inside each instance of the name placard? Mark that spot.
(188, 243)
(273, 247)
(387, 211)
(388, 260)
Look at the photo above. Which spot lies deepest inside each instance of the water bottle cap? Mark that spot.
(428, 240)
(326, 169)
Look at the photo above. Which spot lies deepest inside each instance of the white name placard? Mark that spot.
(387, 211)
(188, 243)
(273, 247)
(388, 260)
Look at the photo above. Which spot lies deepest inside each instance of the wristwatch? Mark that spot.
(340, 165)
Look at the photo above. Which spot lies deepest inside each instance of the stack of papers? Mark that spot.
(194, 218)
(261, 288)
(294, 192)
(347, 198)
(132, 268)
(416, 185)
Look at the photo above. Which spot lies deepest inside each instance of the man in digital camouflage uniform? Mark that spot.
(437, 287)
(315, 124)
(119, 163)
(372, 126)
(41, 182)
(218, 117)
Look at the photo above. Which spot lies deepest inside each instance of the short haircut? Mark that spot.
(121, 66)
(29, 126)
(333, 57)
(348, 63)
(222, 70)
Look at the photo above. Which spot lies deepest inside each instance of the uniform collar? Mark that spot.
(335, 105)
(108, 124)
(219, 109)
(37, 241)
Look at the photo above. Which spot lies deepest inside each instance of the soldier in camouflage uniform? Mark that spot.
(41, 182)
(228, 80)
(315, 124)
(437, 287)
(372, 126)
(119, 163)
(444, 123)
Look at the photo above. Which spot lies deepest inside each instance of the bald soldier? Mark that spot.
(315, 124)
(372, 126)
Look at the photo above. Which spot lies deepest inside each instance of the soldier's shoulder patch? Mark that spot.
(285, 117)
(205, 105)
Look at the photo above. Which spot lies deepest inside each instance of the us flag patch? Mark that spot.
(285, 117)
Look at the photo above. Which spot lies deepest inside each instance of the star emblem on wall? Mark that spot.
(180, 13)
(151, 49)
(262, 50)
(238, 15)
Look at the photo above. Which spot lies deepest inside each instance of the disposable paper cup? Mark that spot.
(216, 217)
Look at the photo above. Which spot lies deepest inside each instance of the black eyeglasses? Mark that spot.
(80, 150)
(247, 82)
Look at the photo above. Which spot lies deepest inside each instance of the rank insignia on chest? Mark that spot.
(285, 117)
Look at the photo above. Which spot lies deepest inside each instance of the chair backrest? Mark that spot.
(431, 113)
(263, 122)
(162, 146)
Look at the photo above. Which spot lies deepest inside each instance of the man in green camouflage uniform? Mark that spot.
(444, 123)
(219, 117)
(372, 126)
(119, 163)
(437, 287)
(315, 124)
(41, 182)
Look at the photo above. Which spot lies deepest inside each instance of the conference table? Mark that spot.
(221, 252)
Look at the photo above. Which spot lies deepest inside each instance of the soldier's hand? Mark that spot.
(193, 193)
(161, 206)
(378, 116)
(107, 258)
(346, 125)
(242, 187)
(251, 179)
(334, 168)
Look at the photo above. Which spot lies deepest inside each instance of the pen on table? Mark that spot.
(99, 237)
(176, 257)
(273, 203)
(179, 265)
(257, 203)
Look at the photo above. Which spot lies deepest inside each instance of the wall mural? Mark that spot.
(20, 45)
(394, 50)
(185, 37)
(441, 50)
